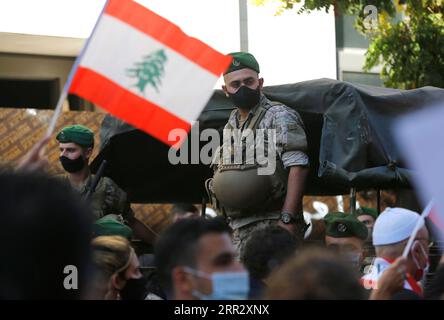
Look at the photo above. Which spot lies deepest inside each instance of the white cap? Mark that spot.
(394, 225)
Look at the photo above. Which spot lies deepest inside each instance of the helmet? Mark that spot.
(241, 189)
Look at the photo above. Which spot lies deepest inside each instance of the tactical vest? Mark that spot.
(237, 190)
(108, 198)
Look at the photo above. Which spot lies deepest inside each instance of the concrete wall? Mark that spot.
(19, 66)
(37, 67)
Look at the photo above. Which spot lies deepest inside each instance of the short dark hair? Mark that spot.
(183, 208)
(45, 227)
(267, 249)
(177, 245)
(315, 273)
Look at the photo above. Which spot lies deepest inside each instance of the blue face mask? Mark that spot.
(226, 285)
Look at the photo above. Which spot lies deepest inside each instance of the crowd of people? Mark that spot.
(72, 237)
(47, 227)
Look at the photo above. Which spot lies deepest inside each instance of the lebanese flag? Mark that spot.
(144, 70)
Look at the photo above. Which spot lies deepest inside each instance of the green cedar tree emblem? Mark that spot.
(149, 71)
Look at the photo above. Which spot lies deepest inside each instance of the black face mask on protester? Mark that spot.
(72, 166)
(246, 98)
(134, 289)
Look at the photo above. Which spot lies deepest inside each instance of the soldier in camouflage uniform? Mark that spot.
(76, 143)
(251, 201)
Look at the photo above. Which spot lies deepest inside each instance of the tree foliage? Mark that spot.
(407, 38)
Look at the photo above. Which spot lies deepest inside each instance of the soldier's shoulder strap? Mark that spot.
(259, 115)
(88, 184)
(228, 125)
(254, 123)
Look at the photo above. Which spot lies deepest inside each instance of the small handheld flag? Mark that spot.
(145, 70)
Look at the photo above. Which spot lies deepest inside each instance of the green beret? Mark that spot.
(78, 134)
(242, 60)
(366, 211)
(110, 225)
(341, 225)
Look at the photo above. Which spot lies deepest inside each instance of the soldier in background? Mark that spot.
(368, 217)
(76, 143)
(251, 201)
(346, 234)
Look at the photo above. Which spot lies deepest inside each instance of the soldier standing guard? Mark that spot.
(249, 200)
(76, 144)
(346, 234)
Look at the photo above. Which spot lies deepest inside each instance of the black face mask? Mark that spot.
(134, 289)
(72, 166)
(246, 98)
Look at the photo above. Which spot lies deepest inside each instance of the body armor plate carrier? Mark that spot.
(237, 190)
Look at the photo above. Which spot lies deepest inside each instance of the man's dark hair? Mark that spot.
(267, 249)
(178, 245)
(183, 208)
(45, 228)
(315, 274)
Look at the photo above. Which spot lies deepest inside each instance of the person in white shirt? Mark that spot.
(390, 235)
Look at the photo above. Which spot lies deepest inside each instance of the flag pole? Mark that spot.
(68, 82)
(424, 215)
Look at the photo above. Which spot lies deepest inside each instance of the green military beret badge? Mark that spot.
(77, 134)
(341, 225)
(242, 60)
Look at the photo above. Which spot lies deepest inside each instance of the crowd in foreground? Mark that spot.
(48, 229)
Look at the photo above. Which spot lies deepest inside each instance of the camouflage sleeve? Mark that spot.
(295, 158)
(116, 200)
(291, 141)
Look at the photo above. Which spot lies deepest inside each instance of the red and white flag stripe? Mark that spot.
(125, 34)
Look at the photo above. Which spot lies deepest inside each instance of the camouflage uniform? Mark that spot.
(291, 144)
(108, 198)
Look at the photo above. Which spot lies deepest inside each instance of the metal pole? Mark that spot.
(243, 25)
(204, 207)
(352, 200)
(378, 200)
(71, 75)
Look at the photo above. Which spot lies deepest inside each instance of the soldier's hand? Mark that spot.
(115, 200)
(35, 159)
(289, 227)
(295, 229)
(109, 201)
